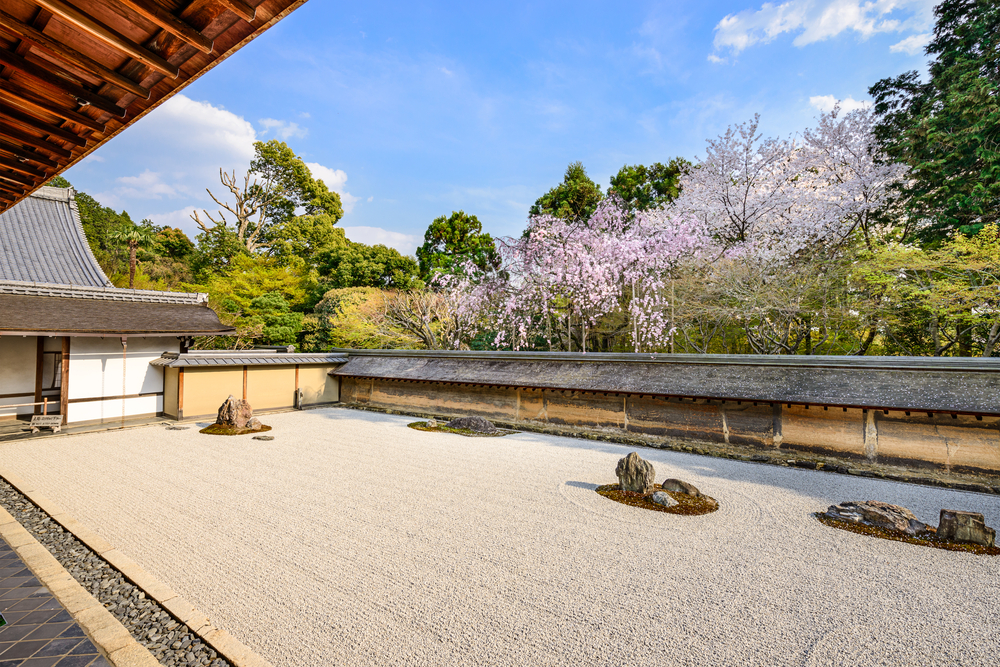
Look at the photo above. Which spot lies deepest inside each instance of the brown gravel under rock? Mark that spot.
(686, 505)
(924, 539)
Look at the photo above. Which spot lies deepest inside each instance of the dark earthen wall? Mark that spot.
(958, 442)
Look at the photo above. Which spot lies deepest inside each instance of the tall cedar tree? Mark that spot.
(573, 199)
(450, 242)
(947, 130)
(643, 188)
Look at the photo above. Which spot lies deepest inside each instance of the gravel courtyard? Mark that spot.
(353, 540)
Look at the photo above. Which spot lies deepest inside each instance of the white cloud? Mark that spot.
(147, 185)
(404, 243)
(191, 126)
(446, 71)
(179, 218)
(712, 58)
(817, 20)
(282, 129)
(336, 180)
(825, 103)
(912, 45)
(371, 198)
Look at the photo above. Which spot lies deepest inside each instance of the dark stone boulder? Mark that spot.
(677, 486)
(958, 526)
(878, 514)
(235, 413)
(476, 424)
(635, 474)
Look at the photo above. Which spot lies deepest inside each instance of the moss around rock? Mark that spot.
(222, 429)
(441, 428)
(927, 538)
(687, 505)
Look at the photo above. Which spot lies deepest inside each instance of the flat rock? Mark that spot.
(475, 423)
(177, 428)
(970, 527)
(661, 498)
(263, 437)
(635, 474)
(677, 486)
(878, 514)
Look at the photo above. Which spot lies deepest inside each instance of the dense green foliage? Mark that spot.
(642, 188)
(947, 129)
(452, 241)
(573, 199)
(360, 265)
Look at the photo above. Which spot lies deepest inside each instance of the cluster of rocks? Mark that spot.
(237, 413)
(637, 475)
(170, 642)
(953, 525)
(475, 424)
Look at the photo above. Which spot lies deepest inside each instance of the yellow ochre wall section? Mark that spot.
(170, 392)
(206, 388)
(317, 385)
(270, 387)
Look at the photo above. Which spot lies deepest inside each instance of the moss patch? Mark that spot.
(928, 538)
(686, 505)
(220, 429)
(422, 426)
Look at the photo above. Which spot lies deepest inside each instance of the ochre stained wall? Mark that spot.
(271, 387)
(317, 385)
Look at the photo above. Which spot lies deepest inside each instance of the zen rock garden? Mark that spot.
(637, 487)
(235, 417)
(956, 530)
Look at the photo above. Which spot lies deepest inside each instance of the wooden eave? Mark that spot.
(75, 73)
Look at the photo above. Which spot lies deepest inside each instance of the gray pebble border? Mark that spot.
(170, 642)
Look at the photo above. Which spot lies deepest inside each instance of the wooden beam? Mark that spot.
(39, 371)
(65, 86)
(240, 8)
(27, 120)
(18, 96)
(175, 26)
(109, 36)
(22, 153)
(20, 179)
(11, 188)
(31, 140)
(22, 167)
(70, 55)
(64, 381)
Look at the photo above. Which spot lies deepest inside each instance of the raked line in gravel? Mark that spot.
(351, 539)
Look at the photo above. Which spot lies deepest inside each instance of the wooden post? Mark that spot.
(64, 383)
(244, 383)
(180, 393)
(39, 371)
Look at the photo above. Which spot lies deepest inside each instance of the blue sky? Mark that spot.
(413, 110)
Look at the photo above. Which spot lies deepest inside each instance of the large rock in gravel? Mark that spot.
(677, 486)
(234, 412)
(878, 514)
(476, 424)
(635, 474)
(958, 526)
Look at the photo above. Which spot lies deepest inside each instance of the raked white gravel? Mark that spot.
(353, 540)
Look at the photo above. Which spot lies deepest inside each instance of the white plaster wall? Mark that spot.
(17, 373)
(95, 369)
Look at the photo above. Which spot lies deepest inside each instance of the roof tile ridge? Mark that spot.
(101, 293)
(82, 235)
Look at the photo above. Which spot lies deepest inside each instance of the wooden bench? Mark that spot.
(53, 422)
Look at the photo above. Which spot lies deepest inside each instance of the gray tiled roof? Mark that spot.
(42, 241)
(246, 358)
(101, 293)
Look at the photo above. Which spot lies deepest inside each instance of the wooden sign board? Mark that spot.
(53, 422)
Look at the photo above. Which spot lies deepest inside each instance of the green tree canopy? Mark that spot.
(642, 188)
(302, 238)
(946, 129)
(451, 241)
(573, 199)
(360, 265)
(270, 314)
(278, 166)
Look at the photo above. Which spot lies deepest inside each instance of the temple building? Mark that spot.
(70, 342)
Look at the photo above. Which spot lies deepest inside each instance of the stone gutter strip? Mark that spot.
(228, 647)
(107, 633)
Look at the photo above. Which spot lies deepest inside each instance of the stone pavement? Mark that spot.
(39, 631)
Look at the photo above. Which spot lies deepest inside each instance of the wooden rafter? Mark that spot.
(241, 9)
(29, 155)
(16, 95)
(17, 178)
(26, 120)
(24, 138)
(172, 24)
(109, 36)
(22, 167)
(68, 54)
(52, 80)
